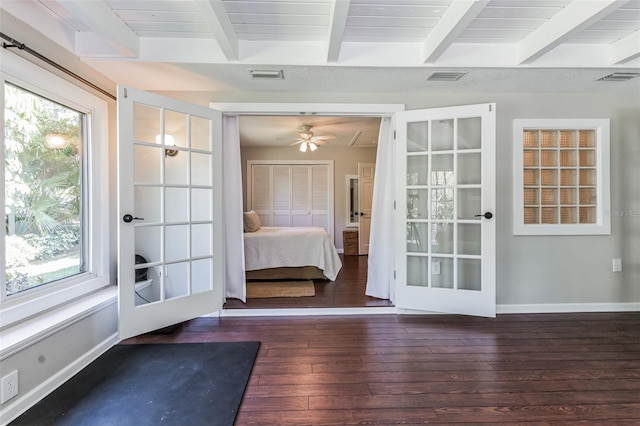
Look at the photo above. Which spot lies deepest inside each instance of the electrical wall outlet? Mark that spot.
(8, 386)
(435, 268)
(617, 265)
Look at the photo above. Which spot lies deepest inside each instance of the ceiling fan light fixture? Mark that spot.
(312, 146)
(303, 147)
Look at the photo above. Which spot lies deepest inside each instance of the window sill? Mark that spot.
(23, 334)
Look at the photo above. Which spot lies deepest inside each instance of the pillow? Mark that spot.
(251, 221)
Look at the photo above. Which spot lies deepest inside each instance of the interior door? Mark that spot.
(445, 210)
(366, 172)
(170, 251)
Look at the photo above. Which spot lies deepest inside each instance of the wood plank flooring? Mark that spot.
(347, 291)
(543, 369)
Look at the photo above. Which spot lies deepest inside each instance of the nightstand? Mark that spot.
(350, 240)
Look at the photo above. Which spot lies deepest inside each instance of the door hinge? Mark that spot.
(125, 93)
(394, 135)
(394, 274)
(394, 205)
(490, 107)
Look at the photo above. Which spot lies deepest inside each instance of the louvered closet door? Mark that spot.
(319, 198)
(281, 195)
(261, 193)
(293, 195)
(301, 196)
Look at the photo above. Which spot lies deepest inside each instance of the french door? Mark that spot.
(170, 245)
(445, 189)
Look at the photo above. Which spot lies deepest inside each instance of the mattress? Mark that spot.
(275, 247)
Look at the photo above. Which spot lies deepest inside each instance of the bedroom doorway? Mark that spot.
(324, 122)
(272, 160)
(462, 125)
(384, 278)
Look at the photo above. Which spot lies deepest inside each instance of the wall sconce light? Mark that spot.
(168, 141)
(56, 141)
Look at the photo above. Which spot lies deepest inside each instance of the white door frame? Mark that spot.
(376, 110)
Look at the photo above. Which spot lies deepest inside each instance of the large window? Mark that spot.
(44, 143)
(561, 177)
(54, 195)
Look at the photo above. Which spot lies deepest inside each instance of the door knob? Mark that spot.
(128, 218)
(487, 215)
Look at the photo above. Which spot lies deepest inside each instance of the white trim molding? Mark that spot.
(552, 308)
(548, 184)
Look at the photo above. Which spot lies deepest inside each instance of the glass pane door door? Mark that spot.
(445, 206)
(170, 247)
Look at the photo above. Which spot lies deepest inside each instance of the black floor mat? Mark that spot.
(152, 384)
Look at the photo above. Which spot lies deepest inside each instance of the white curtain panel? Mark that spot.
(381, 253)
(232, 209)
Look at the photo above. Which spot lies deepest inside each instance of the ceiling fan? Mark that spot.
(308, 140)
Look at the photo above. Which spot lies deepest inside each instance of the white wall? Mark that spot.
(532, 269)
(62, 347)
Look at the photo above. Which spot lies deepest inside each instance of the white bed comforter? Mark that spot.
(272, 247)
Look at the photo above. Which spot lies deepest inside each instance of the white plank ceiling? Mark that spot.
(212, 44)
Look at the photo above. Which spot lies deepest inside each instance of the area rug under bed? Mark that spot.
(152, 384)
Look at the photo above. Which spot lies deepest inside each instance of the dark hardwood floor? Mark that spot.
(347, 291)
(543, 369)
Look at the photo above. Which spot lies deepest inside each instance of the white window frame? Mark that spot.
(17, 307)
(602, 225)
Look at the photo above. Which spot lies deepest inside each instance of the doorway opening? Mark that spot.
(348, 142)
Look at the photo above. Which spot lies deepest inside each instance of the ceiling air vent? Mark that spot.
(619, 76)
(446, 75)
(267, 74)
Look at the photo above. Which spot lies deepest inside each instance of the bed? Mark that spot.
(290, 253)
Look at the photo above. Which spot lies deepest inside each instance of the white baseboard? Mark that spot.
(340, 251)
(541, 308)
(373, 310)
(29, 399)
(550, 308)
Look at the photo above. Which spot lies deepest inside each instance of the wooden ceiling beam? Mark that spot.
(453, 22)
(337, 25)
(626, 48)
(217, 19)
(577, 16)
(106, 27)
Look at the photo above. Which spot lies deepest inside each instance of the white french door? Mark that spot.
(170, 245)
(445, 239)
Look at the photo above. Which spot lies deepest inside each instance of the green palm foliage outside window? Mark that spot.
(43, 190)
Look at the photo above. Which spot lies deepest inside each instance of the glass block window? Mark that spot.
(561, 177)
